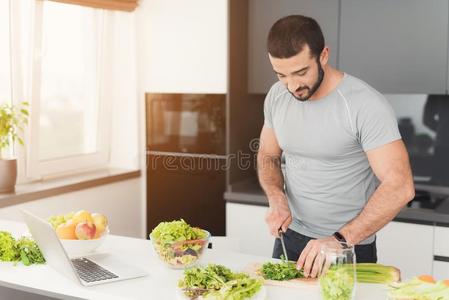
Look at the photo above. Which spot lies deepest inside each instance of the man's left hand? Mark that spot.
(308, 260)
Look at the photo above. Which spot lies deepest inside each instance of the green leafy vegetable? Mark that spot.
(24, 250)
(175, 231)
(337, 283)
(419, 290)
(179, 244)
(218, 282)
(285, 270)
(29, 251)
(7, 249)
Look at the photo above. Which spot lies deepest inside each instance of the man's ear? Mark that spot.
(324, 56)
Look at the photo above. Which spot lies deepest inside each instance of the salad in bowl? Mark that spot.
(178, 244)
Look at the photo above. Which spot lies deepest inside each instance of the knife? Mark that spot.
(281, 236)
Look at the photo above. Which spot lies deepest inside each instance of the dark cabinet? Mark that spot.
(186, 187)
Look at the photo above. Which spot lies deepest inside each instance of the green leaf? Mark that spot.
(285, 270)
(218, 282)
(13, 118)
(24, 258)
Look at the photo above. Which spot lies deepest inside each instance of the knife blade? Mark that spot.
(284, 250)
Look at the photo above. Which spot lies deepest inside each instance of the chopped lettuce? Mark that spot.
(419, 290)
(24, 249)
(176, 231)
(218, 282)
(337, 283)
(7, 249)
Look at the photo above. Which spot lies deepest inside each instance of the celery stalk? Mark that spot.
(376, 273)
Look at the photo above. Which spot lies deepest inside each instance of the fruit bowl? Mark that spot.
(181, 254)
(82, 247)
(80, 232)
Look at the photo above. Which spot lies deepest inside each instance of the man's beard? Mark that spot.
(314, 88)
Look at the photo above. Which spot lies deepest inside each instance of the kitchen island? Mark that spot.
(160, 284)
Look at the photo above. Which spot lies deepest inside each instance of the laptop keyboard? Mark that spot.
(90, 271)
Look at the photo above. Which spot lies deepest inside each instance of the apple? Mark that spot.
(82, 216)
(85, 230)
(66, 231)
(101, 223)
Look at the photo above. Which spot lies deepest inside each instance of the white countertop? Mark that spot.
(160, 284)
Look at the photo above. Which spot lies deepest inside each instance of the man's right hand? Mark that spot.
(278, 215)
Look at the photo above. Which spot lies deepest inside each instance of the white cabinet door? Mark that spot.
(406, 246)
(263, 14)
(247, 224)
(441, 270)
(183, 46)
(441, 251)
(396, 46)
(442, 241)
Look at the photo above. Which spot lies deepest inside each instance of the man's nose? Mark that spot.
(292, 85)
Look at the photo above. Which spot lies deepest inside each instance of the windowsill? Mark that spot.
(48, 188)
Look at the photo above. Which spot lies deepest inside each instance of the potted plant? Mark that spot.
(13, 118)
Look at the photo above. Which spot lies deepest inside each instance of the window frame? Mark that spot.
(38, 169)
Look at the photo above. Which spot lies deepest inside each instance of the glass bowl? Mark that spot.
(181, 254)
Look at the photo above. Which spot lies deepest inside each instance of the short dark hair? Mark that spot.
(288, 36)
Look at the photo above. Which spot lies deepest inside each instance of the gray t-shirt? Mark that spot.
(328, 179)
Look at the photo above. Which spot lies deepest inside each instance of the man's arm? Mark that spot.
(391, 165)
(272, 181)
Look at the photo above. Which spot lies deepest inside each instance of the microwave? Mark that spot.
(186, 123)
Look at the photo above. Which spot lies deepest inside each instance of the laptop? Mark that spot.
(88, 270)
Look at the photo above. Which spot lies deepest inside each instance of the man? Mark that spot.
(347, 172)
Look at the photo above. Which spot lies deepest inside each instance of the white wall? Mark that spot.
(120, 202)
(182, 45)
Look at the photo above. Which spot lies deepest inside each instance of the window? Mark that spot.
(68, 129)
(5, 58)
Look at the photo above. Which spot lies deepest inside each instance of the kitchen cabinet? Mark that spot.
(441, 251)
(396, 46)
(441, 269)
(406, 246)
(442, 241)
(246, 223)
(185, 187)
(263, 14)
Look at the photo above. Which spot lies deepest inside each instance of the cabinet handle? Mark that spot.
(441, 258)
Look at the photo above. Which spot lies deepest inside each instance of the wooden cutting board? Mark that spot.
(253, 270)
